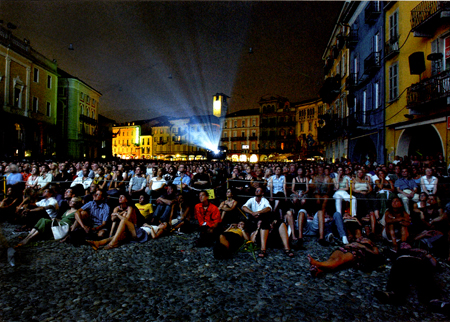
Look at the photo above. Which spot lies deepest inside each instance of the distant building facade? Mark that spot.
(78, 118)
(28, 97)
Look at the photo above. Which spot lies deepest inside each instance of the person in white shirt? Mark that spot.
(260, 212)
(84, 180)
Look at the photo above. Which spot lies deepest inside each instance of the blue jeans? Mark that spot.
(162, 212)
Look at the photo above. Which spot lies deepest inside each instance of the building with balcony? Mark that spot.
(417, 79)
(126, 140)
(308, 122)
(364, 125)
(146, 146)
(333, 133)
(240, 135)
(28, 99)
(353, 120)
(78, 105)
(278, 136)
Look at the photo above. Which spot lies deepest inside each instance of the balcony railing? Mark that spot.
(253, 138)
(225, 139)
(87, 119)
(428, 90)
(161, 142)
(372, 12)
(352, 39)
(426, 12)
(372, 62)
(351, 82)
(391, 47)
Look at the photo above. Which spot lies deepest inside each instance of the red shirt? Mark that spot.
(211, 215)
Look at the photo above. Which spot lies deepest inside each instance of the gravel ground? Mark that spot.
(168, 280)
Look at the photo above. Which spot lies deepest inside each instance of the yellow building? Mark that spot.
(146, 146)
(28, 98)
(308, 122)
(126, 141)
(240, 135)
(417, 78)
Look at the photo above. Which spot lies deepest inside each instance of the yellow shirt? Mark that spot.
(236, 231)
(145, 210)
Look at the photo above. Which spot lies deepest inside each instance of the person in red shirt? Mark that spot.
(208, 216)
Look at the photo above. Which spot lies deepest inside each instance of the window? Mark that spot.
(393, 26)
(92, 114)
(235, 123)
(364, 107)
(234, 146)
(35, 104)
(49, 81)
(160, 131)
(82, 111)
(243, 123)
(310, 126)
(253, 133)
(225, 135)
(376, 95)
(393, 82)
(253, 122)
(242, 134)
(49, 109)
(253, 146)
(301, 127)
(234, 134)
(18, 96)
(88, 100)
(344, 64)
(36, 75)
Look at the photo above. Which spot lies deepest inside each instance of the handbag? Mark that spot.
(59, 231)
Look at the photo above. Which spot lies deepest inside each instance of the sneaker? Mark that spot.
(345, 240)
(323, 242)
(329, 238)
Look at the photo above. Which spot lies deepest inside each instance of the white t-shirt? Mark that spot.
(52, 212)
(253, 205)
(156, 184)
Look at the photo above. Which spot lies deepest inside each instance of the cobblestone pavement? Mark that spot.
(168, 280)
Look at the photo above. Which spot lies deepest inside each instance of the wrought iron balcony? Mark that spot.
(351, 82)
(161, 142)
(372, 63)
(391, 48)
(372, 12)
(429, 90)
(253, 138)
(225, 139)
(426, 15)
(352, 39)
(87, 119)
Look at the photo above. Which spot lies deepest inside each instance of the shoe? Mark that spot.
(323, 242)
(262, 254)
(329, 238)
(345, 240)
(289, 253)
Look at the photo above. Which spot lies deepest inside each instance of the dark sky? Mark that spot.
(169, 58)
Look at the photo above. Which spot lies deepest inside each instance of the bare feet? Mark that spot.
(94, 244)
(313, 268)
(111, 246)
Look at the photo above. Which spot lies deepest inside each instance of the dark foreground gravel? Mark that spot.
(168, 280)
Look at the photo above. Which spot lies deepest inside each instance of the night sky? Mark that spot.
(169, 58)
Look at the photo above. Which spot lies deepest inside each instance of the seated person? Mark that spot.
(259, 209)
(276, 237)
(164, 206)
(46, 208)
(230, 241)
(181, 212)
(229, 212)
(182, 181)
(43, 226)
(84, 179)
(124, 209)
(137, 183)
(362, 254)
(201, 179)
(407, 189)
(93, 216)
(321, 223)
(412, 266)
(208, 216)
(397, 223)
(144, 207)
(28, 198)
(9, 203)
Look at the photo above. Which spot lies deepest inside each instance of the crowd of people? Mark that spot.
(404, 204)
